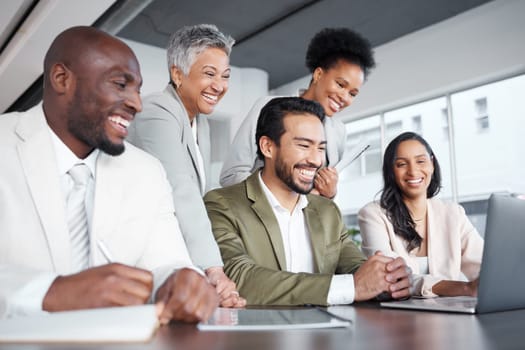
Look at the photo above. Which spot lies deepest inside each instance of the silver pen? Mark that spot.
(105, 251)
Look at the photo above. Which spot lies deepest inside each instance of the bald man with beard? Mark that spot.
(134, 250)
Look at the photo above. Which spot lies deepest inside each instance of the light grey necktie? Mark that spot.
(77, 217)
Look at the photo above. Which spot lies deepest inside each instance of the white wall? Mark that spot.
(246, 86)
(472, 48)
(153, 66)
(21, 60)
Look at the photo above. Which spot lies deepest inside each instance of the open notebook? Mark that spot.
(117, 324)
(501, 283)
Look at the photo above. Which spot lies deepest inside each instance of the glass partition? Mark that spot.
(489, 146)
(361, 180)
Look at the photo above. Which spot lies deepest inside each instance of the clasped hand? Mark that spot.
(382, 274)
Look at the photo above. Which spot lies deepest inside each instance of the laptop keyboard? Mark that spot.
(456, 302)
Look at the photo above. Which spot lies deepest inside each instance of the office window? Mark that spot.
(482, 116)
(219, 138)
(392, 129)
(444, 123)
(489, 139)
(370, 161)
(416, 124)
(361, 180)
(489, 155)
(483, 123)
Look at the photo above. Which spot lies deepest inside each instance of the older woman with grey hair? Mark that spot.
(171, 128)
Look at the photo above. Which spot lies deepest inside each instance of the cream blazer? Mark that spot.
(132, 210)
(454, 245)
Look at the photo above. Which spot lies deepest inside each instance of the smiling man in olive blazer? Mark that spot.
(285, 247)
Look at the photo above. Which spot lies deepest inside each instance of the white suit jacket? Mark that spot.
(242, 158)
(163, 130)
(132, 210)
(454, 245)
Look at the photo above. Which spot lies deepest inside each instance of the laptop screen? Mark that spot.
(501, 284)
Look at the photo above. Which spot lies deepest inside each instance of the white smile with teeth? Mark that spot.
(119, 120)
(309, 173)
(415, 181)
(334, 105)
(213, 98)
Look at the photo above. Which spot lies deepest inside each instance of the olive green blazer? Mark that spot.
(250, 241)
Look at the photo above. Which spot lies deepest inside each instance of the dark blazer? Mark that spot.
(252, 250)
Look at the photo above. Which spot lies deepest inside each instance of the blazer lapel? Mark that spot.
(432, 256)
(109, 189)
(316, 235)
(38, 159)
(262, 209)
(187, 134)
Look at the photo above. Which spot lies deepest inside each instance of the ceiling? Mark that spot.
(273, 34)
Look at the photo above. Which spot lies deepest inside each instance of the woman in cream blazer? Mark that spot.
(435, 238)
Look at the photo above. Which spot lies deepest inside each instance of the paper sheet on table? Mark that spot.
(270, 319)
(350, 155)
(117, 324)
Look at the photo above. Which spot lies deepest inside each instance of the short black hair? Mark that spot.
(270, 122)
(330, 45)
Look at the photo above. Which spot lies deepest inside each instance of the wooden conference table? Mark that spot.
(372, 328)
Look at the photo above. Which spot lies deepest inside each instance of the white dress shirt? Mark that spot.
(298, 247)
(200, 161)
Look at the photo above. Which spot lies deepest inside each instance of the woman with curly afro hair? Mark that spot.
(339, 60)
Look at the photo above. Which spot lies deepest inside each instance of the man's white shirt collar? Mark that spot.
(274, 202)
(66, 159)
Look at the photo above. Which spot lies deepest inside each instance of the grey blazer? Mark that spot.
(242, 159)
(163, 129)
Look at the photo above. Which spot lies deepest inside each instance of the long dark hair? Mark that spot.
(391, 196)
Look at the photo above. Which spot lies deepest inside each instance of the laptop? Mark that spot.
(501, 282)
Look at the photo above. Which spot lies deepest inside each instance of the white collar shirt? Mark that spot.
(200, 161)
(294, 232)
(298, 247)
(66, 159)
